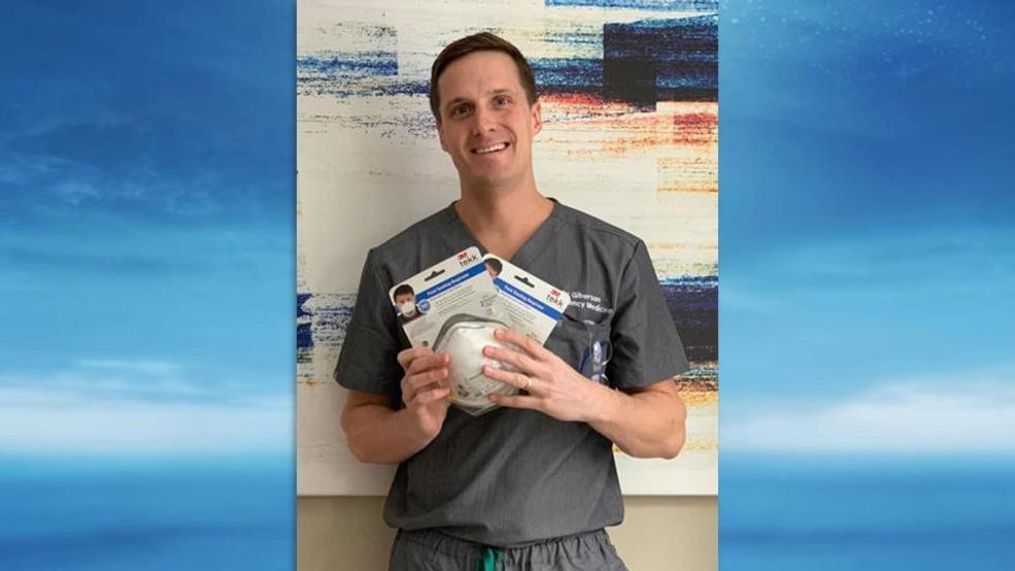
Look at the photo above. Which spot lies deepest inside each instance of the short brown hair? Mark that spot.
(483, 41)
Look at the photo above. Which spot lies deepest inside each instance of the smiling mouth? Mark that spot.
(490, 149)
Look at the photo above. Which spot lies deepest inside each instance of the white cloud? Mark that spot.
(115, 379)
(137, 407)
(57, 423)
(958, 417)
(131, 365)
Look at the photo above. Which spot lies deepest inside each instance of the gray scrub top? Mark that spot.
(512, 477)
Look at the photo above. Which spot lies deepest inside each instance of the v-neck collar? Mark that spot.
(530, 249)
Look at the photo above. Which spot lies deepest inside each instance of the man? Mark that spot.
(405, 303)
(532, 484)
(493, 267)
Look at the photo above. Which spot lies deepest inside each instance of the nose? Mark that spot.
(483, 121)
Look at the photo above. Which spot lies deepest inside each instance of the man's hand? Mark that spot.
(425, 389)
(379, 434)
(553, 387)
(650, 423)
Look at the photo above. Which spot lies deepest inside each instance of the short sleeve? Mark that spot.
(368, 361)
(646, 345)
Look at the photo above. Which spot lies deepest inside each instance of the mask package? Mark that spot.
(533, 307)
(455, 306)
(452, 307)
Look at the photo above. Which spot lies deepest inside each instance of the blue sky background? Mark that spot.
(866, 221)
(147, 167)
(146, 271)
(147, 162)
(867, 262)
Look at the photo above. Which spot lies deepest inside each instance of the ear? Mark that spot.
(537, 118)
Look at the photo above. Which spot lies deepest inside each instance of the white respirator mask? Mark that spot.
(463, 337)
(407, 309)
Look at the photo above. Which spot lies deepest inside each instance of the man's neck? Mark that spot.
(503, 219)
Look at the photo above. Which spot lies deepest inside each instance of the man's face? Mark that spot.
(491, 270)
(406, 303)
(486, 123)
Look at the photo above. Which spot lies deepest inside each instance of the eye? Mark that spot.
(459, 111)
(501, 100)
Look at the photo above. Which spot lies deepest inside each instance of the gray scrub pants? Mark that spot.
(433, 551)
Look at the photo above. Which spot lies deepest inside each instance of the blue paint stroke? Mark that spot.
(304, 333)
(563, 76)
(321, 321)
(553, 75)
(669, 60)
(346, 66)
(643, 62)
(693, 302)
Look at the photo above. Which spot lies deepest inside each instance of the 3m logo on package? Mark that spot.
(458, 286)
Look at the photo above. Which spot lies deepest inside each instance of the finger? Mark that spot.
(432, 395)
(514, 358)
(407, 356)
(412, 362)
(427, 362)
(519, 380)
(527, 402)
(432, 377)
(412, 384)
(524, 342)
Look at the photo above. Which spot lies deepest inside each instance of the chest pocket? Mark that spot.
(584, 345)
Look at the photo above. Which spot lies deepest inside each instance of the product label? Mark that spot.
(458, 286)
(532, 306)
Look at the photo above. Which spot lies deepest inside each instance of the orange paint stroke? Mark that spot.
(621, 129)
